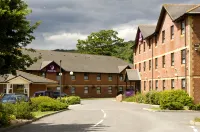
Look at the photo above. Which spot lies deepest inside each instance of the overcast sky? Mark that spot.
(66, 21)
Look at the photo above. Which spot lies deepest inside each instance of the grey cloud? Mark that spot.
(86, 16)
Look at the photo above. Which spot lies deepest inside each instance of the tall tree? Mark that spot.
(100, 43)
(15, 33)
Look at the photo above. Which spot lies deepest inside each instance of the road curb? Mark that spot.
(147, 109)
(194, 123)
(29, 121)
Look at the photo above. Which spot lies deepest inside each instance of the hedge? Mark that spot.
(44, 103)
(71, 100)
(171, 99)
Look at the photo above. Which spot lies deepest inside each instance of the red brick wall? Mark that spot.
(169, 46)
(79, 83)
(36, 87)
(195, 57)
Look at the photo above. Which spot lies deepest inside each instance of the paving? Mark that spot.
(106, 115)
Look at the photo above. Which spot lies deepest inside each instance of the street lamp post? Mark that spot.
(60, 79)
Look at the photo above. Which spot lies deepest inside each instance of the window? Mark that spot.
(172, 32)
(156, 63)
(163, 61)
(149, 85)
(57, 76)
(172, 59)
(163, 85)
(149, 64)
(182, 27)
(183, 56)
(144, 85)
(120, 89)
(43, 74)
(109, 90)
(156, 84)
(139, 48)
(86, 90)
(98, 90)
(163, 36)
(135, 66)
(98, 76)
(110, 77)
(73, 77)
(86, 76)
(172, 84)
(149, 43)
(183, 83)
(121, 77)
(139, 67)
(155, 40)
(73, 90)
(144, 46)
(144, 66)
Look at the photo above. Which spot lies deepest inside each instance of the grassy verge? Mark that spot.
(197, 119)
(39, 114)
(155, 108)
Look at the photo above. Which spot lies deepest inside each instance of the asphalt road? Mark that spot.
(106, 115)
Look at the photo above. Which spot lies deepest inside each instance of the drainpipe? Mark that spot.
(186, 60)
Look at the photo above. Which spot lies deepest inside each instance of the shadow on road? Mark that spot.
(47, 127)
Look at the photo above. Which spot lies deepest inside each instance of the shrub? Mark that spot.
(174, 99)
(153, 97)
(23, 111)
(44, 103)
(71, 100)
(4, 117)
(195, 107)
(139, 98)
(52, 106)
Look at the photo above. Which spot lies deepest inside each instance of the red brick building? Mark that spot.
(93, 75)
(167, 54)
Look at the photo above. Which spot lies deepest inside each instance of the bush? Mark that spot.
(44, 103)
(71, 100)
(139, 98)
(174, 99)
(153, 97)
(20, 110)
(4, 117)
(194, 107)
(23, 111)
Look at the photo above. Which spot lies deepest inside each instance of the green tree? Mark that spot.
(15, 33)
(125, 51)
(100, 43)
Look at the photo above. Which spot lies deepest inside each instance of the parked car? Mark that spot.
(56, 94)
(13, 98)
(44, 93)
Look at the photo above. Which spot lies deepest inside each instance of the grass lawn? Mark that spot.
(197, 119)
(155, 108)
(39, 114)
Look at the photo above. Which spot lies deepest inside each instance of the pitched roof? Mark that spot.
(28, 76)
(177, 10)
(34, 78)
(147, 30)
(45, 63)
(133, 75)
(121, 68)
(77, 62)
(194, 10)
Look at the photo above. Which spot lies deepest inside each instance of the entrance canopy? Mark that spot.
(132, 75)
(20, 83)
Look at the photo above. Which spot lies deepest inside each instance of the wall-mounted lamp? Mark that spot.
(196, 47)
(71, 73)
